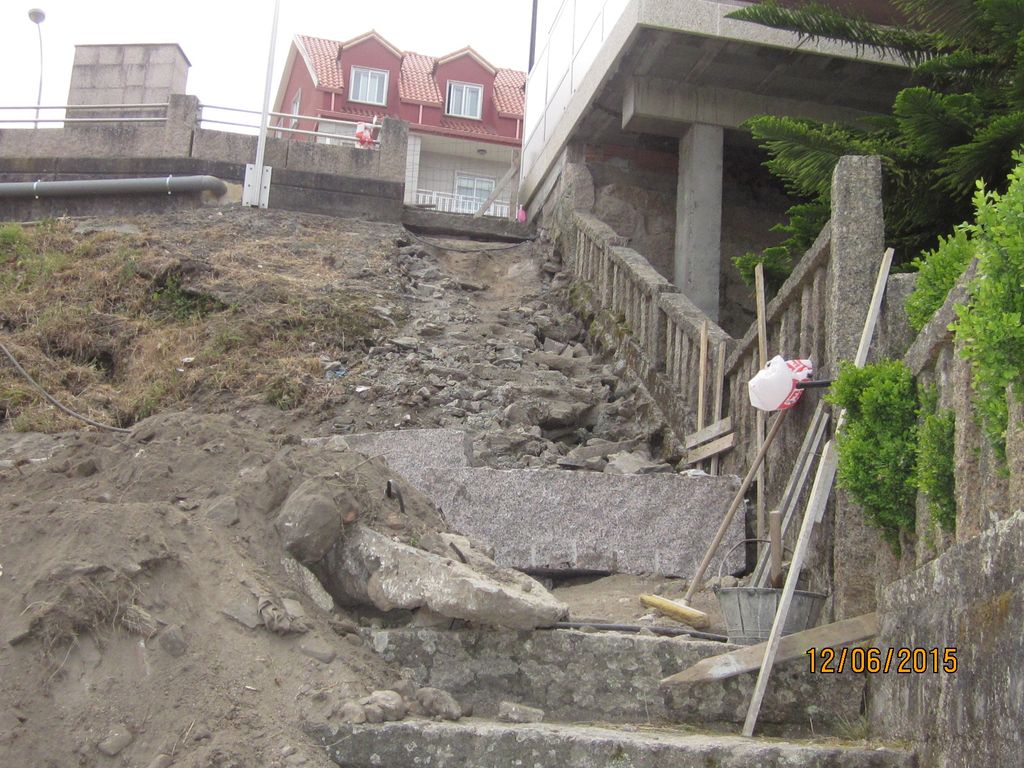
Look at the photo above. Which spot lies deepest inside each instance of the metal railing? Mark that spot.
(207, 117)
(35, 121)
(446, 202)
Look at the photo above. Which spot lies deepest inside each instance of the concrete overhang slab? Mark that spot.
(708, 50)
(666, 107)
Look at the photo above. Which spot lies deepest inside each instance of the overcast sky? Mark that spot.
(227, 40)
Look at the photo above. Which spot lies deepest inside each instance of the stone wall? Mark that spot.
(970, 599)
(962, 590)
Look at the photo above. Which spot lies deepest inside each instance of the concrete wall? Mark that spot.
(126, 74)
(172, 138)
(339, 180)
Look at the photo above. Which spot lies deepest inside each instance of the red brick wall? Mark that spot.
(640, 159)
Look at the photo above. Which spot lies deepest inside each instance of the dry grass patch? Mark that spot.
(118, 326)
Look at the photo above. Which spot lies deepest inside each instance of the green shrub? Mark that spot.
(877, 444)
(179, 303)
(936, 465)
(937, 273)
(990, 326)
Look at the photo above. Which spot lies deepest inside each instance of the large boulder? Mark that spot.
(370, 567)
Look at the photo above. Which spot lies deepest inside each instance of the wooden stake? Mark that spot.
(762, 351)
(702, 377)
(762, 318)
(736, 501)
(795, 485)
(716, 413)
(775, 534)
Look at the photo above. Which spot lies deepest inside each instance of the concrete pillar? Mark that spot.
(698, 246)
(181, 125)
(412, 169)
(858, 239)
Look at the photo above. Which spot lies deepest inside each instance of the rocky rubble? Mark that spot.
(508, 366)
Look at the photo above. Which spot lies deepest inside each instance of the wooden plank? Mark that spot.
(762, 353)
(716, 413)
(674, 610)
(775, 536)
(709, 432)
(702, 376)
(795, 646)
(874, 310)
(820, 492)
(711, 449)
(497, 190)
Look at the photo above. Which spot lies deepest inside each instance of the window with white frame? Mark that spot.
(472, 191)
(465, 99)
(336, 133)
(296, 108)
(369, 86)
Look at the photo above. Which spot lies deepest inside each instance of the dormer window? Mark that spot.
(369, 86)
(464, 99)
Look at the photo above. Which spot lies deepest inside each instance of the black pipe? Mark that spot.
(89, 187)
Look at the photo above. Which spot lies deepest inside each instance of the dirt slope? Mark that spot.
(133, 567)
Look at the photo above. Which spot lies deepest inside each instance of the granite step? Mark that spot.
(577, 676)
(487, 744)
(547, 521)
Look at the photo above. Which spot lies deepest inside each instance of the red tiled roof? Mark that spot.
(352, 112)
(417, 82)
(467, 126)
(322, 56)
(509, 92)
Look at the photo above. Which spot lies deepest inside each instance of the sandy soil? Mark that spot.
(133, 567)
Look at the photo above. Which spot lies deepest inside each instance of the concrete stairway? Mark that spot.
(484, 744)
(580, 678)
(611, 677)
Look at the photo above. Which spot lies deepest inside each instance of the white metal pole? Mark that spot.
(265, 119)
(37, 16)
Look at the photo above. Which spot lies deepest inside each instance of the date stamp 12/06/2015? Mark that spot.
(904, 661)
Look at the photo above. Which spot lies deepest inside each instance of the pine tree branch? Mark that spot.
(817, 21)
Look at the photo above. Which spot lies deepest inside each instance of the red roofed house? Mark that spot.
(465, 116)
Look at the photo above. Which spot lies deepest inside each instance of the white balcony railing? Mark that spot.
(447, 202)
(329, 131)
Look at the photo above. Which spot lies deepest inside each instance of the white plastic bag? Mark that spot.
(774, 388)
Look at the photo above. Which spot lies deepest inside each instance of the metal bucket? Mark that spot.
(749, 612)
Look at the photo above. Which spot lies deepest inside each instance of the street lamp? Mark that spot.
(37, 16)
